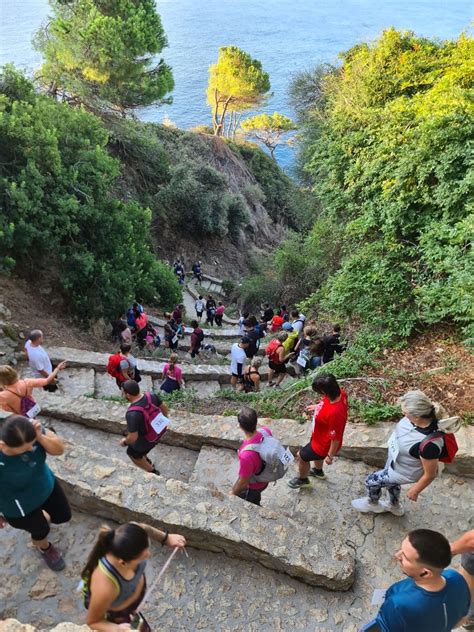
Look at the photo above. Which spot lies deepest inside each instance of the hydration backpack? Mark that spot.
(272, 348)
(270, 451)
(149, 412)
(449, 441)
(113, 366)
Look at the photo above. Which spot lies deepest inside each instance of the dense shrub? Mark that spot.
(56, 179)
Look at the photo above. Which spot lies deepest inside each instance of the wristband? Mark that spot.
(165, 538)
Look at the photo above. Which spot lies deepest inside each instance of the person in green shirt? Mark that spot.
(30, 496)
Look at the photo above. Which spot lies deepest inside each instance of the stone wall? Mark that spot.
(12, 625)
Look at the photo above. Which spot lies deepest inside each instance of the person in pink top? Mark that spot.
(220, 309)
(250, 463)
(172, 375)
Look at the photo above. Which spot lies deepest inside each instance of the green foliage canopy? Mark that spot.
(387, 155)
(100, 52)
(268, 129)
(58, 212)
(237, 82)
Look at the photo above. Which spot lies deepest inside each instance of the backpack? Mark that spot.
(27, 403)
(270, 451)
(113, 366)
(260, 330)
(149, 412)
(449, 441)
(271, 349)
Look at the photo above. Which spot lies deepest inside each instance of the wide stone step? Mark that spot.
(211, 521)
(98, 362)
(193, 431)
(217, 333)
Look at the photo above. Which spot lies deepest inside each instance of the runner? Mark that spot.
(172, 375)
(220, 313)
(329, 422)
(39, 363)
(141, 437)
(252, 376)
(250, 462)
(16, 396)
(199, 306)
(210, 310)
(464, 546)
(431, 599)
(276, 359)
(415, 448)
(238, 359)
(114, 582)
(28, 487)
(197, 338)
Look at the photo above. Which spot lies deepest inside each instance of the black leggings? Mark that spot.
(56, 505)
(253, 496)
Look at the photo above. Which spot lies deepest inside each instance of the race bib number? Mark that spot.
(302, 361)
(159, 423)
(378, 597)
(34, 411)
(393, 448)
(188, 330)
(287, 457)
(174, 340)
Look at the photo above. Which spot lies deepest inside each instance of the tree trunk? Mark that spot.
(215, 123)
(220, 128)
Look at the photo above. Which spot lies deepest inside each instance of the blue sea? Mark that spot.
(287, 36)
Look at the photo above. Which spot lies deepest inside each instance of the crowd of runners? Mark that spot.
(432, 597)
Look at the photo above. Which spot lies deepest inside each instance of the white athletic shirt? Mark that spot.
(38, 359)
(237, 357)
(199, 306)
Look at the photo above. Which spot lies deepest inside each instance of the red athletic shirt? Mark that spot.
(329, 422)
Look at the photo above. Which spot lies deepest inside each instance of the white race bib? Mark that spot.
(174, 340)
(159, 423)
(287, 457)
(34, 411)
(378, 597)
(302, 361)
(393, 447)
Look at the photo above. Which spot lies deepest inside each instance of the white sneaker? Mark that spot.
(396, 510)
(365, 506)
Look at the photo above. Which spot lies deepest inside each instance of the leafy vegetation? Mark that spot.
(56, 182)
(268, 129)
(384, 150)
(100, 52)
(236, 83)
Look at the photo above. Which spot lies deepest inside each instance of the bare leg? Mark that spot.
(303, 467)
(144, 464)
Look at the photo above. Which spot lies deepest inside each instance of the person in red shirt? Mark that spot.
(329, 422)
(250, 462)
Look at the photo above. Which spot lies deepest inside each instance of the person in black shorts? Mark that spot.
(28, 488)
(141, 438)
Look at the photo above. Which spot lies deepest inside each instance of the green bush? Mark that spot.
(56, 179)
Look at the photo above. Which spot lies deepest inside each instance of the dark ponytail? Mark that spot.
(17, 430)
(126, 542)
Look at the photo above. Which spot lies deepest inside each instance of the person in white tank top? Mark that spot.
(406, 464)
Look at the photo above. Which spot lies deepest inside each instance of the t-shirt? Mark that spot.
(136, 423)
(268, 314)
(129, 364)
(252, 349)
(10, 398)
(141, 321)
(277, 322)
(197, 338)
(38, 359)
(199, 306)
(290, 343)
(332, 345)
(220, 310)
(329, 422)
(237, 356)
(250, 462)
(176, 373)
(298, 326)
(25, 482)
(410, 608)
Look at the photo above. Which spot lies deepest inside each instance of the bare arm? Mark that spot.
(464, 544)
(130, 438)
(170, 539)
(430, 471)
(240, 485)
(50, 442)
(332, 451)
(103, 593)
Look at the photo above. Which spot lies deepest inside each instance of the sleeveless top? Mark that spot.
(126, 587)
(403, 467)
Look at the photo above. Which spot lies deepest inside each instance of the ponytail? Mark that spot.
(173, 361)
(127, 542)
(102, 546)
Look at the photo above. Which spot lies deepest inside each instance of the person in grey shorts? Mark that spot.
(465, 546)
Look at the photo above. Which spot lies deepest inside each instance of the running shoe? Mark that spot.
(317, 474)
(297, 482)
(365, 506)
(53, 558)
(396, 510)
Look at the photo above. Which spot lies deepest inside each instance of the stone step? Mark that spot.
(216, 333)
(98, 362)
(193, 431)
(192, 292)
(210, 521)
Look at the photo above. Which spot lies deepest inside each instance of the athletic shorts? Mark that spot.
(467, 562)
(277, 367)
(307, 454)
(139, 454)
